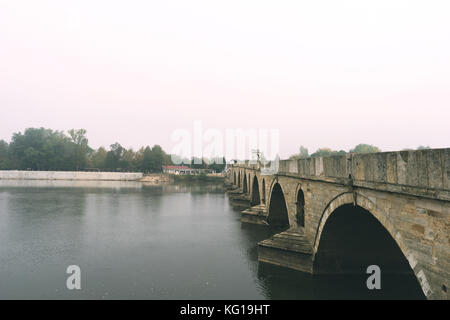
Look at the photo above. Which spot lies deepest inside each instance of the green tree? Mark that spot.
(327, 152)
(32, 158)
(45, 149)
(41, 149)
(167, 159)
(81, 147)
(198, 163)
(147, 159)
(303, 153)
(139, 158)
(4, 155)
(178, 160)
(157, 159)
(114, 157)
(98, 158)
(365, 148)
(217, 164)
(128, 159)
(423, 147)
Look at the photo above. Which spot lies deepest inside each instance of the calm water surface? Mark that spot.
(133, 241)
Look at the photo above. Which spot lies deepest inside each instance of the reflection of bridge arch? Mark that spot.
(256, 199)
(278, 213)
(344, 247)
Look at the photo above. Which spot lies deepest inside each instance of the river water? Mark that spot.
(133, 241)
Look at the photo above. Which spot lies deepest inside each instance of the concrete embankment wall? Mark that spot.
(70, 175)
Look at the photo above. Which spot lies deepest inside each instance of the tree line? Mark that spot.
(47, 149)
(326, 152)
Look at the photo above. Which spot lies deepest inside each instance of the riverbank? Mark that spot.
(199, 178)
(154, 178)
(157, 178)
(164, 178)
(69, 175)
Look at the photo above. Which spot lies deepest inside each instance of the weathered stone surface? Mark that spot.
(408, 193)
(391, 167)
(289, 249)
(256, 215)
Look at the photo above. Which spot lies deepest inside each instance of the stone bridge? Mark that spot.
(341, 214)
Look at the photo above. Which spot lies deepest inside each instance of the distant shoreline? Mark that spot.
(153, 178)
(70, 175)
(198, 178)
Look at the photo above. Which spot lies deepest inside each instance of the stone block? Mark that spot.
(402, 160)
(391, 167)
(380, 167)
(435, 169)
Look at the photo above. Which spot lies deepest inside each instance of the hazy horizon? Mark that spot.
(326, 74)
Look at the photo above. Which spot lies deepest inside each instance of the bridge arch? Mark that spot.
(370, 238)
(278, 212)
(300, 207)
(244, 183)
(263, 191)
(239, 179)
(256, 199)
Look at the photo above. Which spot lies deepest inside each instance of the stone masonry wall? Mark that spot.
(407, 191)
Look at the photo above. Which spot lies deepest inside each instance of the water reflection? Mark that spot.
(85, 184)
(137, 241)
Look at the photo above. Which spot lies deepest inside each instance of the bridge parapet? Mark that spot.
(327, 167)
(406, 193)
(420, 172)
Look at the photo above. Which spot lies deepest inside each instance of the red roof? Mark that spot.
(177, 167)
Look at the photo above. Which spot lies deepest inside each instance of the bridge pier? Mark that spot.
(255, 215)
(239, 199)
(229, 186)
(343, 213)
(289, 249)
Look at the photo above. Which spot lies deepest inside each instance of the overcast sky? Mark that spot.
(326, 73)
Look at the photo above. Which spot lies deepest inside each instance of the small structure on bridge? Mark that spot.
(177, 170)
(185, 170)
(342, 213)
